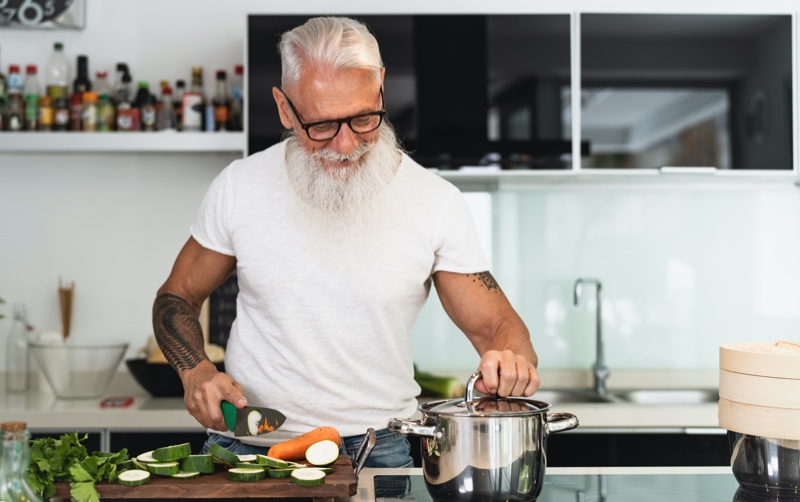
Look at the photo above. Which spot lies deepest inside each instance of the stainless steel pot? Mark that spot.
(766, 466)
(485, 449)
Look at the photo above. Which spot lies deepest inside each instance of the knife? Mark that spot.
(251, 420)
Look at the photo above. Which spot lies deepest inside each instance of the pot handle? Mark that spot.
(559, 422)
(411, 427)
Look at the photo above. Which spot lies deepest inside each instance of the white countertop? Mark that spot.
(42, 411)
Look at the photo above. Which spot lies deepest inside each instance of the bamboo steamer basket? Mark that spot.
(759, 389)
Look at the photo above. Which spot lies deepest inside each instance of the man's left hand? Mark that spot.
(506, 374)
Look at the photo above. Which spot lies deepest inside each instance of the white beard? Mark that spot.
(340, 199)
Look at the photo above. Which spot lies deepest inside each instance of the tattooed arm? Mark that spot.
(478, 306)
(196, 273)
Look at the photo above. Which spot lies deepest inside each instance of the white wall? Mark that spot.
(114, 223)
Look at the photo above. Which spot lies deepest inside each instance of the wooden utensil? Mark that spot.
(65, 296)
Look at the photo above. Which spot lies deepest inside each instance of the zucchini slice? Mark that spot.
(248, 458)
(172, 453)
(253, 421)
(203, 464)
(280, 473)
(146, 457)
(308, 476)
(133, 477)
(246, 474)
(186, 475)
(272, 462)
(322, 453)
(223, 455)
(163, 469)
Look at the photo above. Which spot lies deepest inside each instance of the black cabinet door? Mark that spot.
(637, 450)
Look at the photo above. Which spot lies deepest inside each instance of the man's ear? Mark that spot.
(284, 112)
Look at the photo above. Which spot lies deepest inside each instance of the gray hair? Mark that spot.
(337, 43)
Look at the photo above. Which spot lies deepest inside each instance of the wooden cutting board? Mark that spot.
(341, 483)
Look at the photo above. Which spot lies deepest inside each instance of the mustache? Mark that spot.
(334, 156)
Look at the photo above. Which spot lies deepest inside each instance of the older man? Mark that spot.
(336, 236)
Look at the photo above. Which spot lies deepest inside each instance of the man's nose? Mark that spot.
(346, 141)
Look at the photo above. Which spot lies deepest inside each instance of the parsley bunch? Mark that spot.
(66, 460)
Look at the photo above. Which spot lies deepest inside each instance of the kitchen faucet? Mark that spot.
(601, 371)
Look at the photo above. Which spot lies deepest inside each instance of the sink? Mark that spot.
(629, 396)
(667, 396)
(569, 396)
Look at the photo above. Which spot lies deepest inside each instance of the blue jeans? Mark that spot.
(391, 450)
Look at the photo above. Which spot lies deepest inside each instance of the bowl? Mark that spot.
(159, 379)
(78, 371)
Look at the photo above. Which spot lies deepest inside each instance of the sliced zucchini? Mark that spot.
(186, 475)
(223, 455)
(146, 457)
(253, 421)
(126, 465)
(248, 458)
(308, 476)
(172, 453)
(322, 453)
(139, 465)
(280, 473)
(133, 477)
(246, 474)
(272, 462)
(248, 465)
(198, 463)
(163, 469)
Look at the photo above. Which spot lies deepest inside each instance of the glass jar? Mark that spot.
(17, 356)
(15, 487)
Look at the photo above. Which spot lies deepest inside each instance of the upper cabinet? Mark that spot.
(686, 91)
(534, 97)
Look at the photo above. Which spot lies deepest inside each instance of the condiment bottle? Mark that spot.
(17, 357)
(57, 74)
(32, 90)
(61, 114)
(45, 113)
(16, 457)
(75, 111)
(15, 106)
(90, 113)
(106, 115)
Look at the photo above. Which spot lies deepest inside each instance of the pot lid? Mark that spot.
(485, 405)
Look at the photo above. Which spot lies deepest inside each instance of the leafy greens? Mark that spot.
(66, 460)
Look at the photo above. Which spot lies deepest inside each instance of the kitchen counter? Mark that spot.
(43, 412)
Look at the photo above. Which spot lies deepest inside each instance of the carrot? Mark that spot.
(295, 448)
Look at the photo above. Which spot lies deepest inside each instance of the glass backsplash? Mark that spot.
(684, 269)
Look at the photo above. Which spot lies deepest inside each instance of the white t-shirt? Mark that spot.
(322, 325)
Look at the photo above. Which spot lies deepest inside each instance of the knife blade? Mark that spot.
(251, 420)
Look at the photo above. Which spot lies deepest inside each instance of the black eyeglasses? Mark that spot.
(328, 129)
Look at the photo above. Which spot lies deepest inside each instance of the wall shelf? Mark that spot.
(133, 142)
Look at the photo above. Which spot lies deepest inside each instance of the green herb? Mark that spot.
(66, 460)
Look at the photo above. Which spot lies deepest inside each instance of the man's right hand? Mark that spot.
(204, 389)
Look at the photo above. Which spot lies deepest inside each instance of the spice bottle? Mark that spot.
(17, 358)
(16, 456)
(61, 114)
(89, 113)
(106, 115)
(45, 122)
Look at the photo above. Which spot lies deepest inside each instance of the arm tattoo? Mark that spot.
(487, 280)
(178, 332)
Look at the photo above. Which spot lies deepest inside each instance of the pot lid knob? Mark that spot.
(469, 394)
